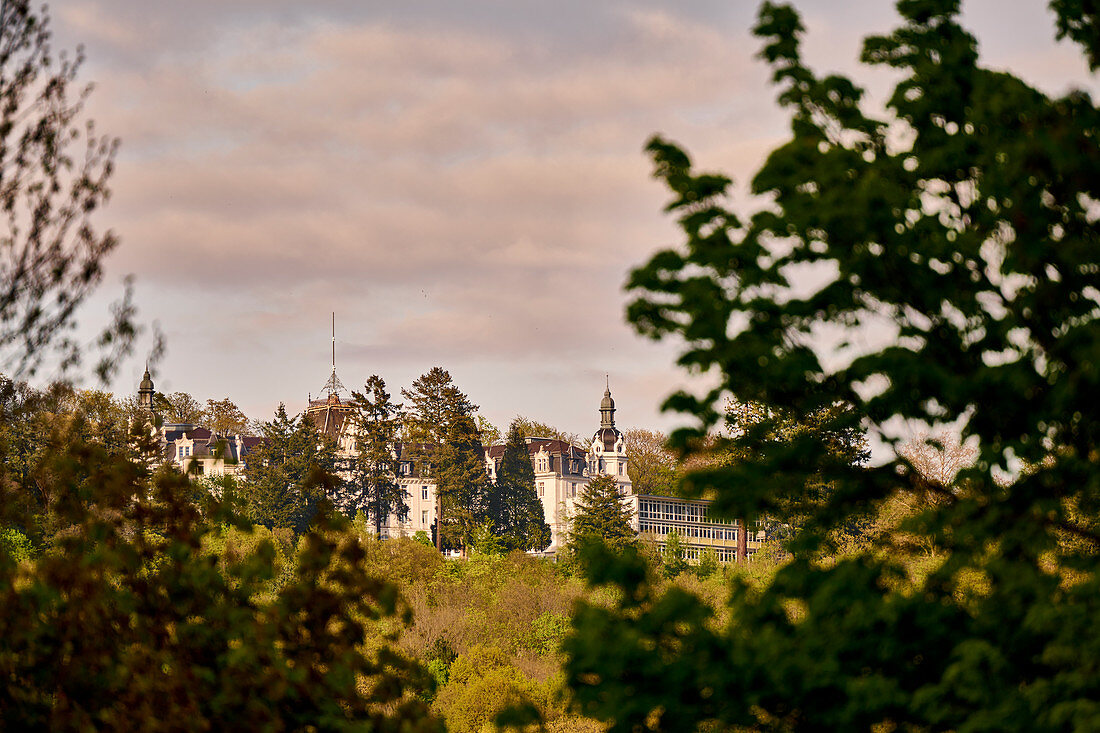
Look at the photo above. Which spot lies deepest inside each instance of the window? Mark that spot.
(542, 488)
(423, 492)
(424, 517)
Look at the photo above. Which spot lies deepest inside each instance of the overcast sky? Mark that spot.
(462, 182)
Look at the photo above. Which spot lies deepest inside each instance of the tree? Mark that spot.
(963, 223)
(601, 515)
(534, 429)
(490, 434)
(512, 504)
(127, 623)
(224, 417)
(652, 467)
(434, 403)
(673, 561)
(372, 486)
(938, 458)
(461, 483)
(282, 474)
(179, 407)
(50, 251)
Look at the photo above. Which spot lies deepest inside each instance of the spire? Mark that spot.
(607, 408)
(333, 386)
(146, 390)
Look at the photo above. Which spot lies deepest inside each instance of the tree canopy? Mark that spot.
(283, 474)
(652, 467)
(962, 223)
(512, 505)
(601, 515)
(372, 486)
(462, 483)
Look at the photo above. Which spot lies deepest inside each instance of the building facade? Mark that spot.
(562, 470)
(193, 448)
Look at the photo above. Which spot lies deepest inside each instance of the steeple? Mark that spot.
(607, 408)
(146, 391)
(608, 435)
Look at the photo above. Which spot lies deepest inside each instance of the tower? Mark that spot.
(146, 391)
(330, 413)
(607, 452)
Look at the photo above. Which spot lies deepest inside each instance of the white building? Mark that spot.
(562, 470)
(193, 448)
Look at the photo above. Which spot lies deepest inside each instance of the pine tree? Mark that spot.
(372, 486)
(434, 403)
(512, 505)
(461, 483)
(601, 515)
(280, 473)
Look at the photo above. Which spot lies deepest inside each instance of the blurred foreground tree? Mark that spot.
(124, 622)
(964, 224)
(50, 251)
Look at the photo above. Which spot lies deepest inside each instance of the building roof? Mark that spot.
(548, 445)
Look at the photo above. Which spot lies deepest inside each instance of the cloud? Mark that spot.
(463, 182)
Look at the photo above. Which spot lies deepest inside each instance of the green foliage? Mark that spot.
(485, 541)
(672, 558)
(224, 417)
(962, 224)
(285, 476)
(148, 612)
(708, 564)
(15, 545)
(549, 630)
(601, 515)
(372, 484)
(483, 684)
(529, 428)
(512, 504)
(461, 482)
(178, 407)
(652, 467)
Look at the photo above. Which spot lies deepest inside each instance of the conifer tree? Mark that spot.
(434, 403)
(461, 483)
(512, 504)
(280, 473)
(372, 486)
(601, 515)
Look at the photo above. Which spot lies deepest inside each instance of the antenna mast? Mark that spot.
(333, 385)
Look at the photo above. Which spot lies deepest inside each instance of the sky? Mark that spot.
(462, 183)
